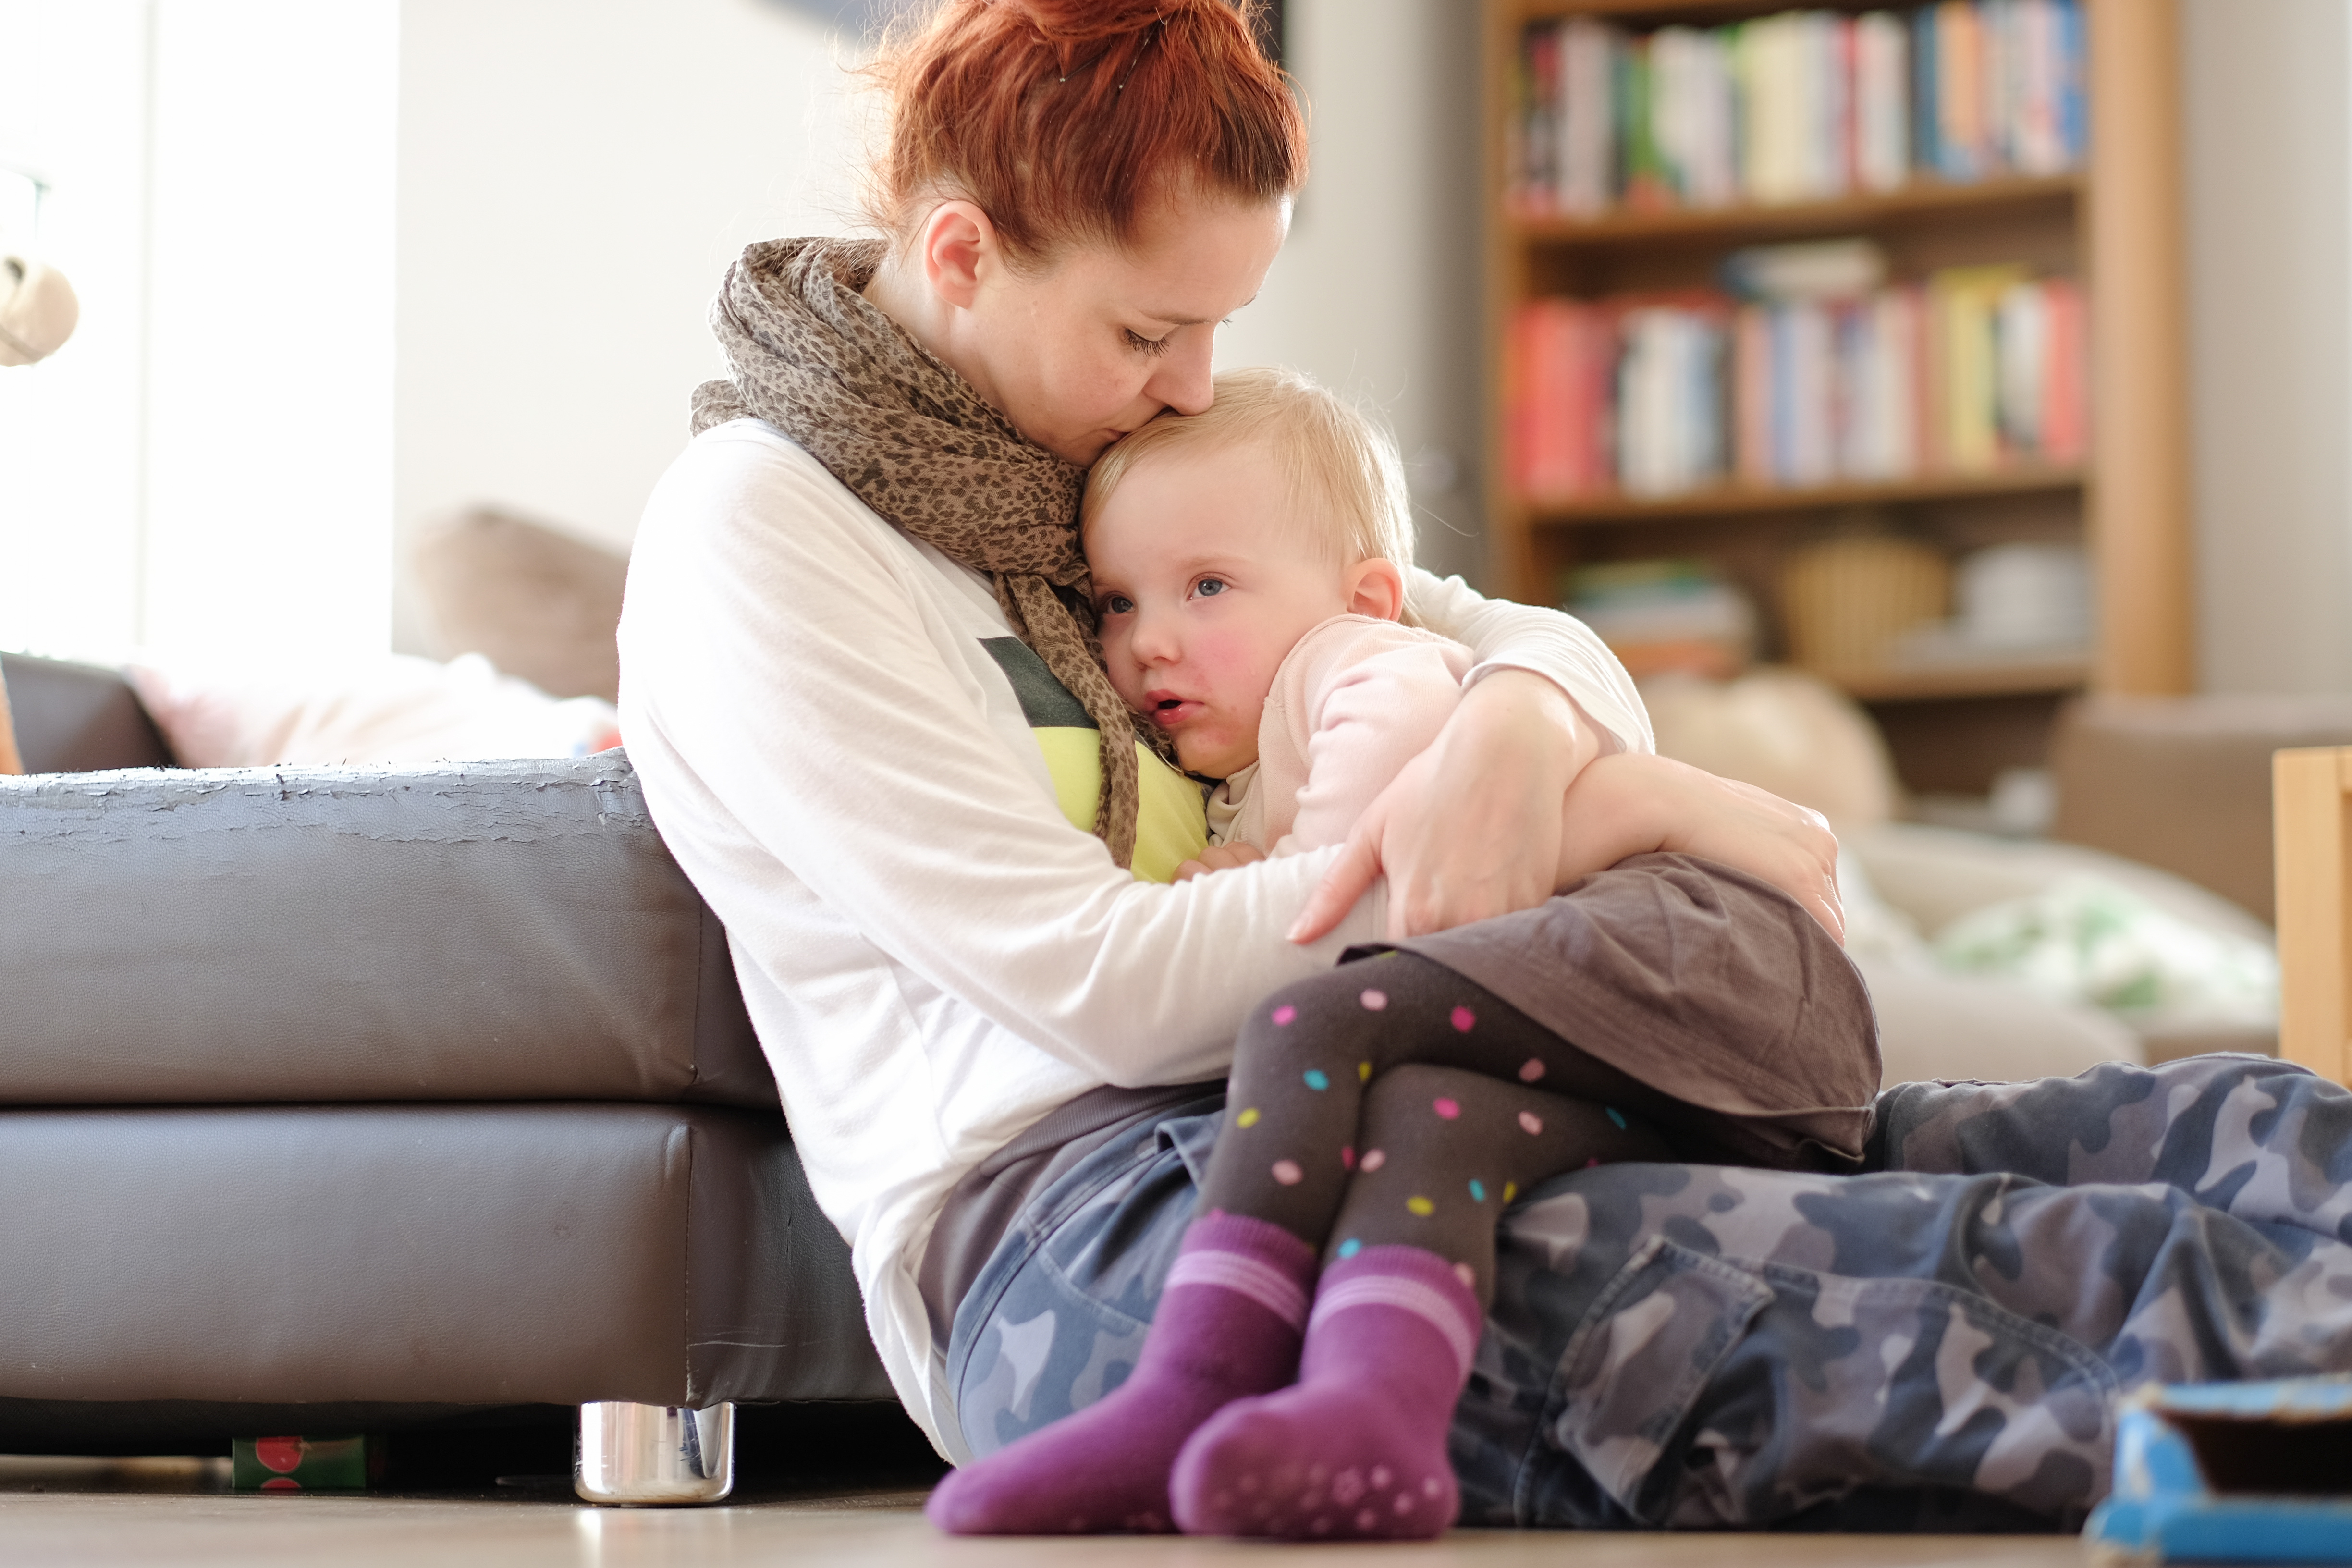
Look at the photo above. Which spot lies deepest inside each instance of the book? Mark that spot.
(1971, 369)
(1801, 105)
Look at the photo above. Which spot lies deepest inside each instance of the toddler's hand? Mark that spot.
(1218, 857)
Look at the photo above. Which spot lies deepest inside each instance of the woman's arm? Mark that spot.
(1470, 828)
(801, 730)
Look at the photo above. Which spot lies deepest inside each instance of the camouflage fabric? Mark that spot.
(1939, 1342)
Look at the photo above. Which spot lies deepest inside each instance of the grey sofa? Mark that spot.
(362, 1101)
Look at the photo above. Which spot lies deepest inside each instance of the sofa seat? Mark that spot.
(380, 1266)
(468, 932)
(368, 1099)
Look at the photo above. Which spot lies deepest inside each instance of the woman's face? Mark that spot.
(1096, 341)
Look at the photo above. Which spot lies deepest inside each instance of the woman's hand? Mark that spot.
(1471, 827)
(1218, 857)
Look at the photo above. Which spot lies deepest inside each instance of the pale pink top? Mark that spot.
(1355, 700)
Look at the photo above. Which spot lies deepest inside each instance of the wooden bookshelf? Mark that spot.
(1843, 215)
(1733, 500)
(2116, 225)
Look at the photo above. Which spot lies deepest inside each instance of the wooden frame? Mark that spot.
(2311, 828)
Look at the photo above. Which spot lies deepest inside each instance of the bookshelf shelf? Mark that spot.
(1637, 226)
(1732, 500)
(1960, 681)
(2113, 226)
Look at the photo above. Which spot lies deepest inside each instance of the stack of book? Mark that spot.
(1662, 616)
(1806, 105)
(1976, 369)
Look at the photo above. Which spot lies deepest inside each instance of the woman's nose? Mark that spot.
(1182, 382)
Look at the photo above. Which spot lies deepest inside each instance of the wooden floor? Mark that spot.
(97, 1515)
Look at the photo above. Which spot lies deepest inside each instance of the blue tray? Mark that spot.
(2232, 1472)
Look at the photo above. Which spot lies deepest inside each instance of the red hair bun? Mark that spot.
(1064, 119)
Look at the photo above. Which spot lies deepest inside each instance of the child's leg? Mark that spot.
(1289, 1141)
(1357, 1448)
(1445, 1150)
(1230, 1323)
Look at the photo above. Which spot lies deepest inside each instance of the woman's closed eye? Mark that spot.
(1142, 344)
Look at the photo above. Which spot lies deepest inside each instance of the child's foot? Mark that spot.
(1227, 1326)
(1357, 1449)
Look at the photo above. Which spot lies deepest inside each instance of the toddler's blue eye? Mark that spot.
(1209, 587)
(1116, 605)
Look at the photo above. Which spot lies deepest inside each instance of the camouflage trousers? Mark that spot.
(1937, 1342)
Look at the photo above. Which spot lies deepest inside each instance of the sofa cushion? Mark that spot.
(77, 717)
(2184, 783)
(420, 1256)
(466, 932)
(540, 603)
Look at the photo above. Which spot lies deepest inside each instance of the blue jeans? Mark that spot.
(1936, 1344)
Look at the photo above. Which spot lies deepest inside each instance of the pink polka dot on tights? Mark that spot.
(1287, 1173)
(1375, 1001)
(1467, 1274)
(1375, 1159)
(1463, 1020)
(1348, 1156)
(1531, 1122)
(1284, 1013)
(1532, 1070)
(1446, 1107)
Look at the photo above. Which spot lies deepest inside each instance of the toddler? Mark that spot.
(1246, 564)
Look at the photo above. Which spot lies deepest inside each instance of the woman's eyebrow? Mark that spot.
(1176, 320)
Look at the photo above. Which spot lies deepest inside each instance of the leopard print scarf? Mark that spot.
(810, 354)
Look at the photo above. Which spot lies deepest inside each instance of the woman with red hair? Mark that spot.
(864, 694)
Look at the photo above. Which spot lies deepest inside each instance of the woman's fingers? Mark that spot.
(1349, 877)
(1754, 831)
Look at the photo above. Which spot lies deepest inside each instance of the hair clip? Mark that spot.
(1158, 22)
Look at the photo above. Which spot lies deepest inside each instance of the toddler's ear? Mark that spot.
(1375, 588)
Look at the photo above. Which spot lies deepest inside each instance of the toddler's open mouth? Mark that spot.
(1167, 711)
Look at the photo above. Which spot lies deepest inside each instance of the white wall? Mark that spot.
(71, 446)
(1378, 291)
(208, 461)
(347, 267)
(574, 177)
(2269, 150)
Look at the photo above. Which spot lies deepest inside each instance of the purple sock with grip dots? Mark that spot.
(1228, 1325)
(1356, 1449)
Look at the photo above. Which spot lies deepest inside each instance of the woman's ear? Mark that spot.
(958, 244)
(1374, 588)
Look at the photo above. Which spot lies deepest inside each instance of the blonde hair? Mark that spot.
(1345, 479)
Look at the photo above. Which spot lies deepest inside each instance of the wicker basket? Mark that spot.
(1846, 600)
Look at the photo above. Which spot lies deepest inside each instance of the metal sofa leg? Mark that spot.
(654, 1453)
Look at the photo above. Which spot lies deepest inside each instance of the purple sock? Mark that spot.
(1227, 1325)
(1357, 1449)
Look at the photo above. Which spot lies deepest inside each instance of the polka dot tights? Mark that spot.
(1393, 1101)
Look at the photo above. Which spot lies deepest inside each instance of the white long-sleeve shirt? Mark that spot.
(829, 720)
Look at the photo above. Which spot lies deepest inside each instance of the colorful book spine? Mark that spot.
(1803, 105)
(1973, 369)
